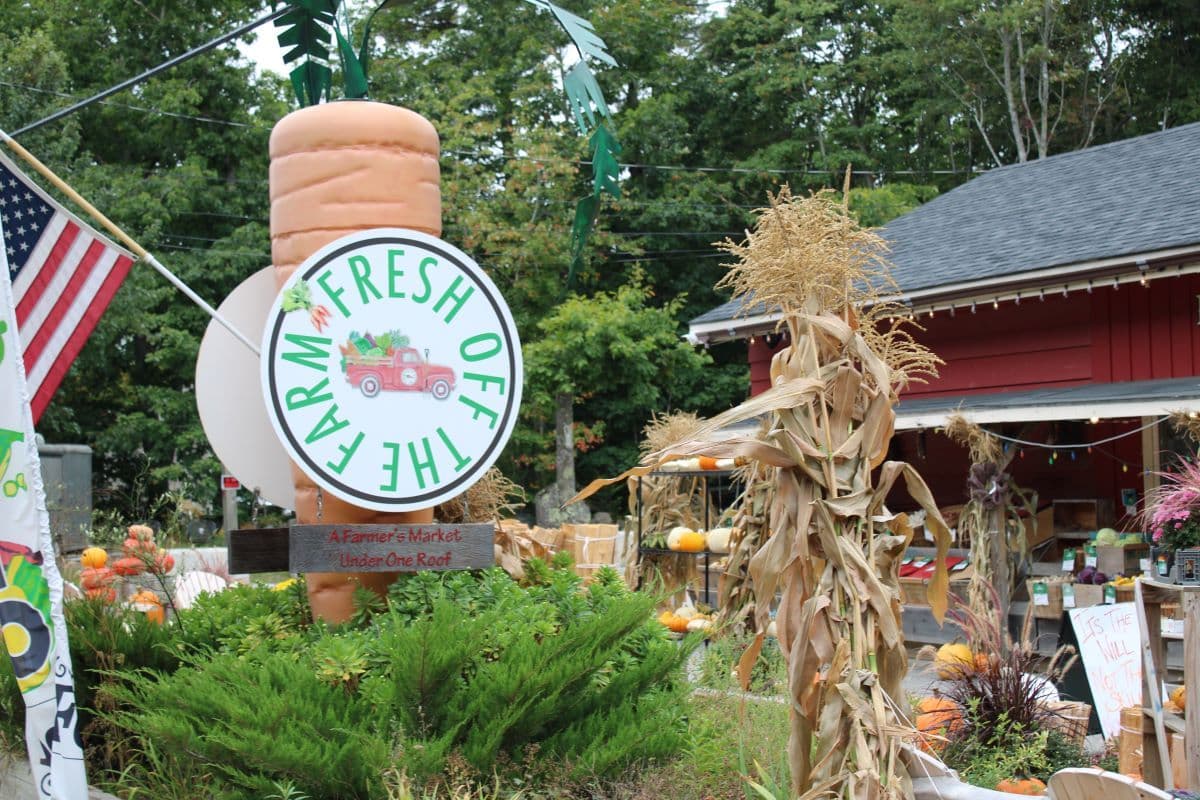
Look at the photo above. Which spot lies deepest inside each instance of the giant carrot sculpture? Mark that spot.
(355, 165)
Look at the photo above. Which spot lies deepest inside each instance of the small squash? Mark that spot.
(678, 624)
(1179, 697)
(107, 595)
(717, 540)
(938, 715)
(952, 660)
(96, 577)
(691, 542)
(147, 602)
(129, 565)
(1026, 786)
(94, 557)
(675, 535)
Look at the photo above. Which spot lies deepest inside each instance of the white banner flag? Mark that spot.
(31, 588)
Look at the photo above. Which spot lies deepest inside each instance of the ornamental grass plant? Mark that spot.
(1171, 510)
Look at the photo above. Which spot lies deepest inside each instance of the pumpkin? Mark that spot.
(1027, 786)
(938, 715)
(952, 660)
(677, 624)
(981, 662)
(94, 557)
(665, 618)
(1179, 697)
(707, 463)
(687, 611)
(148, 602)
(675, 535)
(690, 542)
(107, 595)
(717, 540)
(164, 562)
(129, 565)
(96, 577)
(699, 624)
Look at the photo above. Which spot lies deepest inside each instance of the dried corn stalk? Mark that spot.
(667, 501)
(751, 529)
(835, 549)
(993, 508)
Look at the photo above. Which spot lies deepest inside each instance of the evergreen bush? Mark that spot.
(462, 672)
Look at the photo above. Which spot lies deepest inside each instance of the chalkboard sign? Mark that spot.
(1110, 649)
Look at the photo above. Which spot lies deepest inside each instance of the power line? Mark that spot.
(171, 62)
(485, 155)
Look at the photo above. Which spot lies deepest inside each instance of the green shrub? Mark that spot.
(463, 673)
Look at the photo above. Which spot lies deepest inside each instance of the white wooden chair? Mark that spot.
(1088, 784)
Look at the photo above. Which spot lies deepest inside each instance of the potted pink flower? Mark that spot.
(1171, 515)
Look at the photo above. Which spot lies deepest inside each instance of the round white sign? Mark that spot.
(392, 369)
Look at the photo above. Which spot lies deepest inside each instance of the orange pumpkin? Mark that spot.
(691, 542)
(97, 577)
(148, 602)
(981, 662)
(94, 557)
(129, 565)
(1026, 786)
(107, 595)
(164, 562)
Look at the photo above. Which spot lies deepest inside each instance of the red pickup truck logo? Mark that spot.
(397, 369)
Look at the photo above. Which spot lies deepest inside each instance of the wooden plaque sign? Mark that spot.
(390, 548)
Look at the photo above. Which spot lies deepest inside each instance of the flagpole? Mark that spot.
(112, 228)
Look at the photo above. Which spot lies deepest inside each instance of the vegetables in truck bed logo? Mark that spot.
(386, 363)
(391, 369)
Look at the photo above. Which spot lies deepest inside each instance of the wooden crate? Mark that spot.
(1054, 594)
(1122, 559)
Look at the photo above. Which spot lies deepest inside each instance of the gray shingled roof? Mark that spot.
(1124, 198)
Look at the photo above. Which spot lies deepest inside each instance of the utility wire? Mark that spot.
(171, 62)
(486, 155)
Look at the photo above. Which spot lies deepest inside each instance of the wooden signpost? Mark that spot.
(362, 548)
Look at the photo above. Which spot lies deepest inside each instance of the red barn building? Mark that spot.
(1064, 296)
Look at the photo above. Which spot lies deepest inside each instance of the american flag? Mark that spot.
(63, 276)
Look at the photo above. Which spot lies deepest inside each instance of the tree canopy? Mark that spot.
(713, 104)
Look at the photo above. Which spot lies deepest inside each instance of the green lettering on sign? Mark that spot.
(315, 347)
(484, 380)
(392, 467)
(419, 466)
(299, 397)
(334, 295)
(426, 286)
(394, 272)
(491, 415)
(471, 348)
(459, 299)
(347, 453)
(459, 461)
(327, 425)
(360, 268)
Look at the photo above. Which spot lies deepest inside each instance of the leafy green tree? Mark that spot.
(606, 363)
(180, 163)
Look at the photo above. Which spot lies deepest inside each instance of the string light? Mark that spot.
(1018, 298)
(972, 306)
(996, 304)
(1064, 290)
(1089, 286)
(1042, 295)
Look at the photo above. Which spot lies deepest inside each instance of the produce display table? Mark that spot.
(1150, 597)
